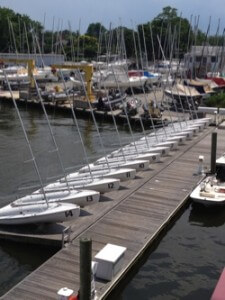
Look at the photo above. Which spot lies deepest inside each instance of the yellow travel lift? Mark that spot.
(30, 65)
(88, 70)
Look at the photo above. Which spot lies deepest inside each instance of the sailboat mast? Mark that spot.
(26, 138)
(77, 126)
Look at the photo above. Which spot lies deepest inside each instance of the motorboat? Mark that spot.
(209, 192)
(112, 101)
(31, 213)
(152, 77)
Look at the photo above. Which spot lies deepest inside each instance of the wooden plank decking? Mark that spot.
(132, 217)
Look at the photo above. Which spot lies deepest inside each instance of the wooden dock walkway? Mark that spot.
(132, 217)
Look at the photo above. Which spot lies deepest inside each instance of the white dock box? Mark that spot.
(110, 260)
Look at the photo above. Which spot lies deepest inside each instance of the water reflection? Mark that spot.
(32, 126)
(187, 262)
(87, 135)
(201, 215)
(17, 264)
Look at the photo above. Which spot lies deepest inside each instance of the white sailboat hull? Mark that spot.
(187, 134)
(102, 186)
(32, 213)
(123, 174)
(221, 160)
(130, 149)
(78, 197)
(118, 163)
(141, 159)
(179, 138)
(160, 143)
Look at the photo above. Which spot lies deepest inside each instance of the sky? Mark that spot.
(118, 12)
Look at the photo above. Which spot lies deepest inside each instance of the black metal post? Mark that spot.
(213, 152)
(85, 268)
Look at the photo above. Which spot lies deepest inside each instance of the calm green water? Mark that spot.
(184, 265)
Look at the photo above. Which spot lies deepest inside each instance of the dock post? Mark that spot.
(85, 268)
(213, 152)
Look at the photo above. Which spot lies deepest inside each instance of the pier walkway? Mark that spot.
(132, 217)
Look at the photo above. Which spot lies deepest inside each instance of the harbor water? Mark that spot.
(187, 261)
(185, 264)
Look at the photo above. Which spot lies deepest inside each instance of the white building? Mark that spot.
(203, 59)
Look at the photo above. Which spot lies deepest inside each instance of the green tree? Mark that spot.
(172, 32)
(94, 30)
(13, 28)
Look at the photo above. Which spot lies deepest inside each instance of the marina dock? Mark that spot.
(82, 110)
(133, 217)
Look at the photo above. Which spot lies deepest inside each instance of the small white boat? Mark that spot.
(117, 163)
(141, 159)
(78, 197)
(131, 149)
(122, 81)
(180, 138)
(221, 160)
(198, 126)
(172, 145)
(15, 214)
(209, 192)
(101, 185)
(187, 134)
(123, 174)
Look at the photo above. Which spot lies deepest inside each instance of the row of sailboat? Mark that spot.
(60, 201)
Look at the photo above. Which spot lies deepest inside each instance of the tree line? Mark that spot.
(167, 35)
